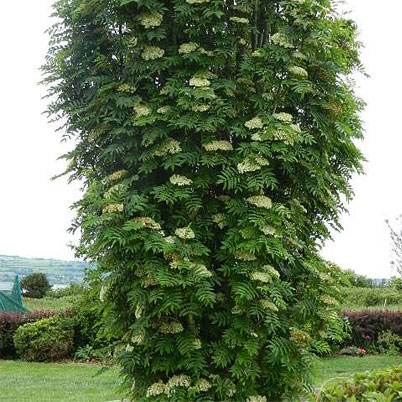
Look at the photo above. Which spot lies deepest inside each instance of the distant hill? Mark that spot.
(58, 272)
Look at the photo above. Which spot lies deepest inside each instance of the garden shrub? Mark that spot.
(366, 326)
(215, 141)
(50, 339)
(381, 385)
(389, 343)
(9, 323)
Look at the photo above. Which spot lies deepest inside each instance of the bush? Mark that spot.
(366, 326)
(35, 285)
(72, 290)
(368, 297)
(389, 343)
(9, 323)
(384, 385)
(49, 339)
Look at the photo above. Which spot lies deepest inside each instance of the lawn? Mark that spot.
(64, 382)
(48, 303)
(332, 367)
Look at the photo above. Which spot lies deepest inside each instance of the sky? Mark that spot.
(35, 211)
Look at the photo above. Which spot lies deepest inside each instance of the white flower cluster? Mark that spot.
(218, 146)
(95, 134)
(329, 301)
(268, 305)
(286, 137)
(260, 201)
(138, 339)
(185, 233)
(199, 82)
(257, 137)
(202, 385)
(281, 40)
(219, 219)
(142, 110)
(117, 175)
(268, 230)
(201, 108)
(163, 110)
(197, 1)
(145, 282)
(103, 292)
(261, 160)
(178, 180)
(171, 146)
(252, 164)
(173, 327)
(188, 47)
(299, 56)
(169, 239)
(197, 344)
(156, 389)
(127, 88)
(296, 128)
(201, 270)
(129, 348)
(152, 53)
(298, 71)
(256, 398)
(150, 20)
(147, 222)
(257, 53)
(239, 20)
(283, 117)
(254, 123)
(244, 256)
(113, 208)
(271, 270)
(261, 277)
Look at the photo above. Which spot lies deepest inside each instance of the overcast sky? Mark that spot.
(34, 211)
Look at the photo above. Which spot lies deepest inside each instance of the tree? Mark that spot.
(356, 280)
(215, 140)
(35, 285)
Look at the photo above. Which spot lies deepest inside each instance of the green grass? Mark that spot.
(64, 382)
(377, 307)
(333, 367)
(48, 303)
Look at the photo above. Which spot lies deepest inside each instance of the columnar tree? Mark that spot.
(215, 140)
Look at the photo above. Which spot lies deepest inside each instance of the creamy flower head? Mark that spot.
(239, 20)
(256, 398)
(178, 180)
(219, 219)
(185, 233)
(281, 40)
(171, 146)
(173, 327)
(268, 305)
(261, 277)
(201, 108)
(188, 47)
(201, 270)
(156, 389)
(257, 53)
(152, 53)
(138, 339)
(248, 165)
(268, 230)
(117, 175)
(142, 110)
(245, 256)
(218, 146)
(298, 71)
(256, 137)
(148, 20)
(202, 385)
(199, 82)
(283, 117)
(147, 222)
(197, 1)
(163, 109)
(271, 270)
(260, 201)
(179, 381)
(254, 123)
(113, 208)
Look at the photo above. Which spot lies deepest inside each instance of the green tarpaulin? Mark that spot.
(11, 300)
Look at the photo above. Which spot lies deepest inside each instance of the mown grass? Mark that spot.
(49, 304)
(328, 369)
(64, 382)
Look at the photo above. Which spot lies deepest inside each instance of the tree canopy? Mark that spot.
(216, 143)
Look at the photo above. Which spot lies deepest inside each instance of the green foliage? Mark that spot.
(215, 141)
(384, 385)
(35, 285)
(360, 298)
(358, 281)
(49, 339)
(73, 290)
(389, 343)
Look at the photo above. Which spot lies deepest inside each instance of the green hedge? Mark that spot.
(49, 339)
(381, 385)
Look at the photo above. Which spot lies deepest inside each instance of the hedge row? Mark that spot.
(367, 325)
(9, 323)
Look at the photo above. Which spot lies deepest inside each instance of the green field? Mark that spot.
(49, 304)
(334, 367)
(47, 382)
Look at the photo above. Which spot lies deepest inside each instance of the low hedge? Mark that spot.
(366, 325)
(9, 323)
(50, 339)
(381, 385)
